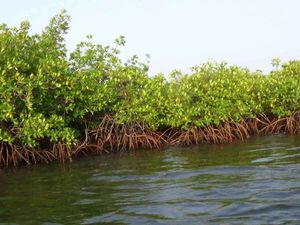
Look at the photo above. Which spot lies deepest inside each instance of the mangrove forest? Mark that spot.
(56, 105)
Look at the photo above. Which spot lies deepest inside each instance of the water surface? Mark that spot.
(252, 182)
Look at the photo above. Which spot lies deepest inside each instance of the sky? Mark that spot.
(178, 34)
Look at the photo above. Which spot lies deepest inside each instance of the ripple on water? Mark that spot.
(255, 182)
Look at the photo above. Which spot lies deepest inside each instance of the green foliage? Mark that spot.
(214, 93)
(47, 96)
(284, 89)
(34, 84)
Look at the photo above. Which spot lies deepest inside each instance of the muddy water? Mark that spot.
(252, 182)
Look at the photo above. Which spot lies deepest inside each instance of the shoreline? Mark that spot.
(109, 137)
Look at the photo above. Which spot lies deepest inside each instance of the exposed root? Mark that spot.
(110, 136)
(113, 137)
(16, 155)
(226, 132)
(292, 124)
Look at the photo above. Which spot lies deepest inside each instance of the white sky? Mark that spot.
(177, 34)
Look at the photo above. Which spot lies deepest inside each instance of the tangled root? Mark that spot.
(110, 136)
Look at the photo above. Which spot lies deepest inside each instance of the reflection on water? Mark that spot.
(255, 182)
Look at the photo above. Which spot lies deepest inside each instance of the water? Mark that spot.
(254, 182)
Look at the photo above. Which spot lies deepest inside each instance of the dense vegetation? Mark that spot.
(54, 105)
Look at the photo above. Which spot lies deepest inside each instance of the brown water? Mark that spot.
(252, 182)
